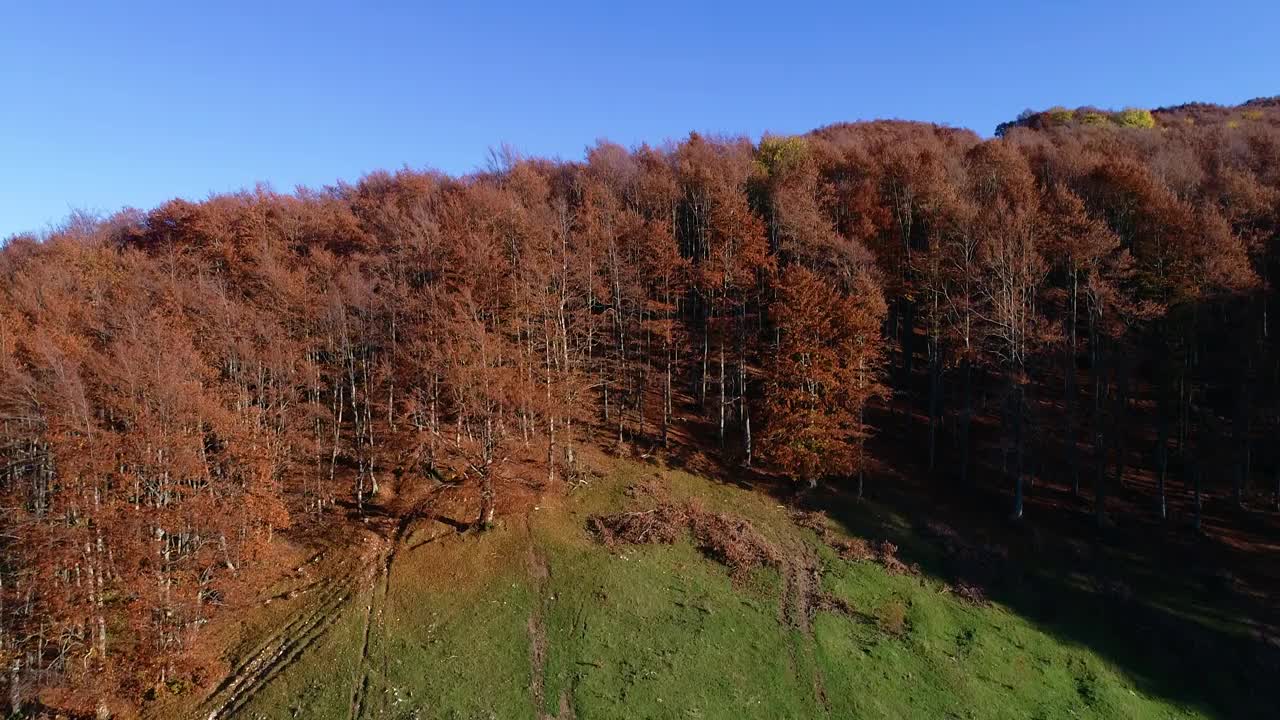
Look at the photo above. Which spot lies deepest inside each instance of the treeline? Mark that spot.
(176, 386)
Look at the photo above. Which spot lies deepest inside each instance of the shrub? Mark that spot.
(729, 539)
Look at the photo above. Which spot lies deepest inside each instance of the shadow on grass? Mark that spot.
(1168, 634)
(1157, 600)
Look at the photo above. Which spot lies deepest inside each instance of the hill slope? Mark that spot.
(539, 619)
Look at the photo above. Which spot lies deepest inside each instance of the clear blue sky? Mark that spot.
(107, 104)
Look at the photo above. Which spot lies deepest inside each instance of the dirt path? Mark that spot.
(361, 686)
(374, 610)
(540, 573)
(802, 597)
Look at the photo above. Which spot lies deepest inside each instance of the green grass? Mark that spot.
(663, 632)
(957, 660)
(660, 632)
(455, 646)
(319, 685)
(449, 644)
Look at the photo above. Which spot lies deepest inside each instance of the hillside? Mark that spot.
(333, 452)
(539, 619)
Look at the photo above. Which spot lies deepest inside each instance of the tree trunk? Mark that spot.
(484, 520)
(966, 418)
(1016, 410)
(1162, 463)
(907, 342)
(1069, 393)
(15, 677)
(551, 419)
(706, 353)
(720, 431)
(666, 403)
(1277, 491)
(1119, 423)
(1100, 477)
(1099, 432)
(1199, 504)
(935, 399)
(1240, 432)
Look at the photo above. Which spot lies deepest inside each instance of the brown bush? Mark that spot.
(811, 520)
(971, 593)
(852, 549)
(733, 541)
(855, 549)
(661, 525)
(887, 556)
(729, 539)
(650, 488)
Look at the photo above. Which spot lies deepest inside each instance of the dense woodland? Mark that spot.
(180, 386)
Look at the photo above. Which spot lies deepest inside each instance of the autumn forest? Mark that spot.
(1072, 321)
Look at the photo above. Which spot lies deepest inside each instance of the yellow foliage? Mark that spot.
(780, 153)
(1060, 115)
(1135, 117)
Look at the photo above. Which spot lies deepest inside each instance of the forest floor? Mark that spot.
(539, 619)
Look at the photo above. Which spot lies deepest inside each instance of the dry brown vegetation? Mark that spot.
(1073, 308)
(731, 540)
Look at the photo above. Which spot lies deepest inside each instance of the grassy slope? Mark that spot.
(662, 632)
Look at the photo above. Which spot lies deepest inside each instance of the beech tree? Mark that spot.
(178, 386)
(821, 375)
(1011, 285)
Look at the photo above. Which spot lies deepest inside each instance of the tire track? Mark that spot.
(333, 594)
(802, 597)
(373, 612)
(281, 649)
(540, 573)
(361, 687)
(277, 653)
